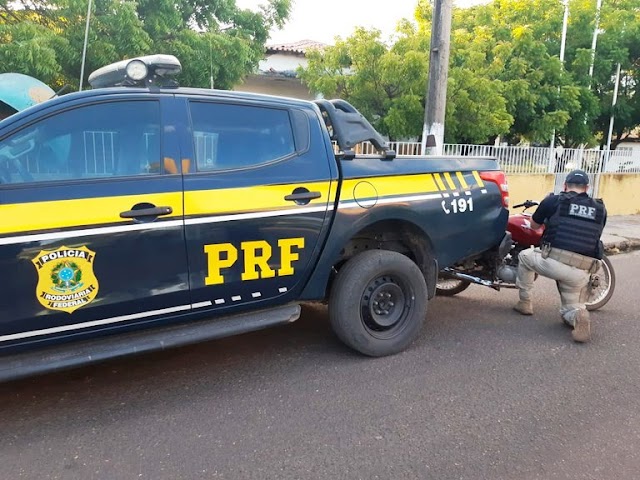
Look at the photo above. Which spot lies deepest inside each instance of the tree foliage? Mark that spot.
(505, 79)
(384, 83)
(212, 38)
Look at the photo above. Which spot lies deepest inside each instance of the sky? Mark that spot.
(323, 20)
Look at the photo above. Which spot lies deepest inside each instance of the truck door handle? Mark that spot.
(302, 196)
(146, 210)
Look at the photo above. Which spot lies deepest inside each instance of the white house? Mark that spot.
(276, 74)
(626, 156)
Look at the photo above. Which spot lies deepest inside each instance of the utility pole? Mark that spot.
(594, 41)
(563, 42)
(613, 107)
(435, 107)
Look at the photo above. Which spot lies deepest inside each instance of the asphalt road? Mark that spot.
(483, 394)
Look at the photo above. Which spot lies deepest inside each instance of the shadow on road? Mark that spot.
(132, 387)
(175, 375)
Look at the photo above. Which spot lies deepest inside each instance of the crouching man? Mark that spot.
(570, 251)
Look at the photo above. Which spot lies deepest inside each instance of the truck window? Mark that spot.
(239, 136)
(99, 140)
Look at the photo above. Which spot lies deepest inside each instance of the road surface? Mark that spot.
(483, 394)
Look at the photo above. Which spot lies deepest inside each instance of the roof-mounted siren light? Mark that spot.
(138, 72)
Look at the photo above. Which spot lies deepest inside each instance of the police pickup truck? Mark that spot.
(140, 215)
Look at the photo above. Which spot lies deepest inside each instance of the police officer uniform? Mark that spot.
(570, 251)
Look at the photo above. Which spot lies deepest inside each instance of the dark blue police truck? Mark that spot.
(140, 215)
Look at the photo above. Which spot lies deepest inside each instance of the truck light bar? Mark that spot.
(144, 71)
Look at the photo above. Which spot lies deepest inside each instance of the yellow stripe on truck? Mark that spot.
(250, 199)
(439, 181)
(476, 175)
(393, 185)
(36, 216)
(412, 184)
(462, 181)
(404, 185)
(90, 212)
(450, 182)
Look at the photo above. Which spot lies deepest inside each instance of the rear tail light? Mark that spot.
(500, 179)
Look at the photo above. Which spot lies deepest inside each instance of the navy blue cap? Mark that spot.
(577, 177)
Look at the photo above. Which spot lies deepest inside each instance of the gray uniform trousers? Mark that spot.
(572, 281)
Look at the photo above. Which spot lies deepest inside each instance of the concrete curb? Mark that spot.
(623, 246)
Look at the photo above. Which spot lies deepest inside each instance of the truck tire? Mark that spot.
(378, 302)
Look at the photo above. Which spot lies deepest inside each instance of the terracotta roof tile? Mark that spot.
(301, 47)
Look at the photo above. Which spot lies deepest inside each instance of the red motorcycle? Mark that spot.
(498, 269)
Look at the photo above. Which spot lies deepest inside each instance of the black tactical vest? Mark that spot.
(577, 224)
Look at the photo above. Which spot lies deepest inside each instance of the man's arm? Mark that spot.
(604, 223)
(546, 208)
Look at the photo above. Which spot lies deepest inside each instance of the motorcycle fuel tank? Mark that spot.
(520, 227)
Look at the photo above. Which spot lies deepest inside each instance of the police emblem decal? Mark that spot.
(66, 280)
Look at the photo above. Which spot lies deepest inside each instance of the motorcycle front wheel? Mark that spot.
(601, 286)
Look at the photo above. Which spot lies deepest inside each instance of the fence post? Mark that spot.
(605, 160)
(580, 162)
(552, 161)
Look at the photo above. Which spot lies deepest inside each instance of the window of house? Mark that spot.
(238, 136)
(93, 141)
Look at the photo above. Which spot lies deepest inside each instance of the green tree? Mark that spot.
(385, 84)
(521, 44)
(210, 37)
(580, 111)
(505, 77)
(619, 42)
(476, 108)
(31, 49)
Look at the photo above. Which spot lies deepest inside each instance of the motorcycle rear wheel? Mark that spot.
(601, 294)
(448, 287)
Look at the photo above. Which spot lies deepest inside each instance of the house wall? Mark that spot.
(620, 192)
(275, 85)
(282, 62)
(633, 146)
(529, 187)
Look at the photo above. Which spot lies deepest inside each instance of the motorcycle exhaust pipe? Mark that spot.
(450, 273)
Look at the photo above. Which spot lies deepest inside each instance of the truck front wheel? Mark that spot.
(378, 302)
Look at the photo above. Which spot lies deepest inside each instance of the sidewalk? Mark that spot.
(621, 234)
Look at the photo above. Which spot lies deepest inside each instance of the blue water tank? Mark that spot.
(20, 91)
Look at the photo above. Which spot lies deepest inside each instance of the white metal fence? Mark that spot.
(528, 160)
(99, 152)
(531, 160)
(517, 160)
(206, 149)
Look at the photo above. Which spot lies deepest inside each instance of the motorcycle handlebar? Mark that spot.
(526, 204)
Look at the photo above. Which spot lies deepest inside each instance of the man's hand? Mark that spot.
(534, 225)
(530, 224)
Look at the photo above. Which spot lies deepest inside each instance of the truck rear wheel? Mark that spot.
(378, 302)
